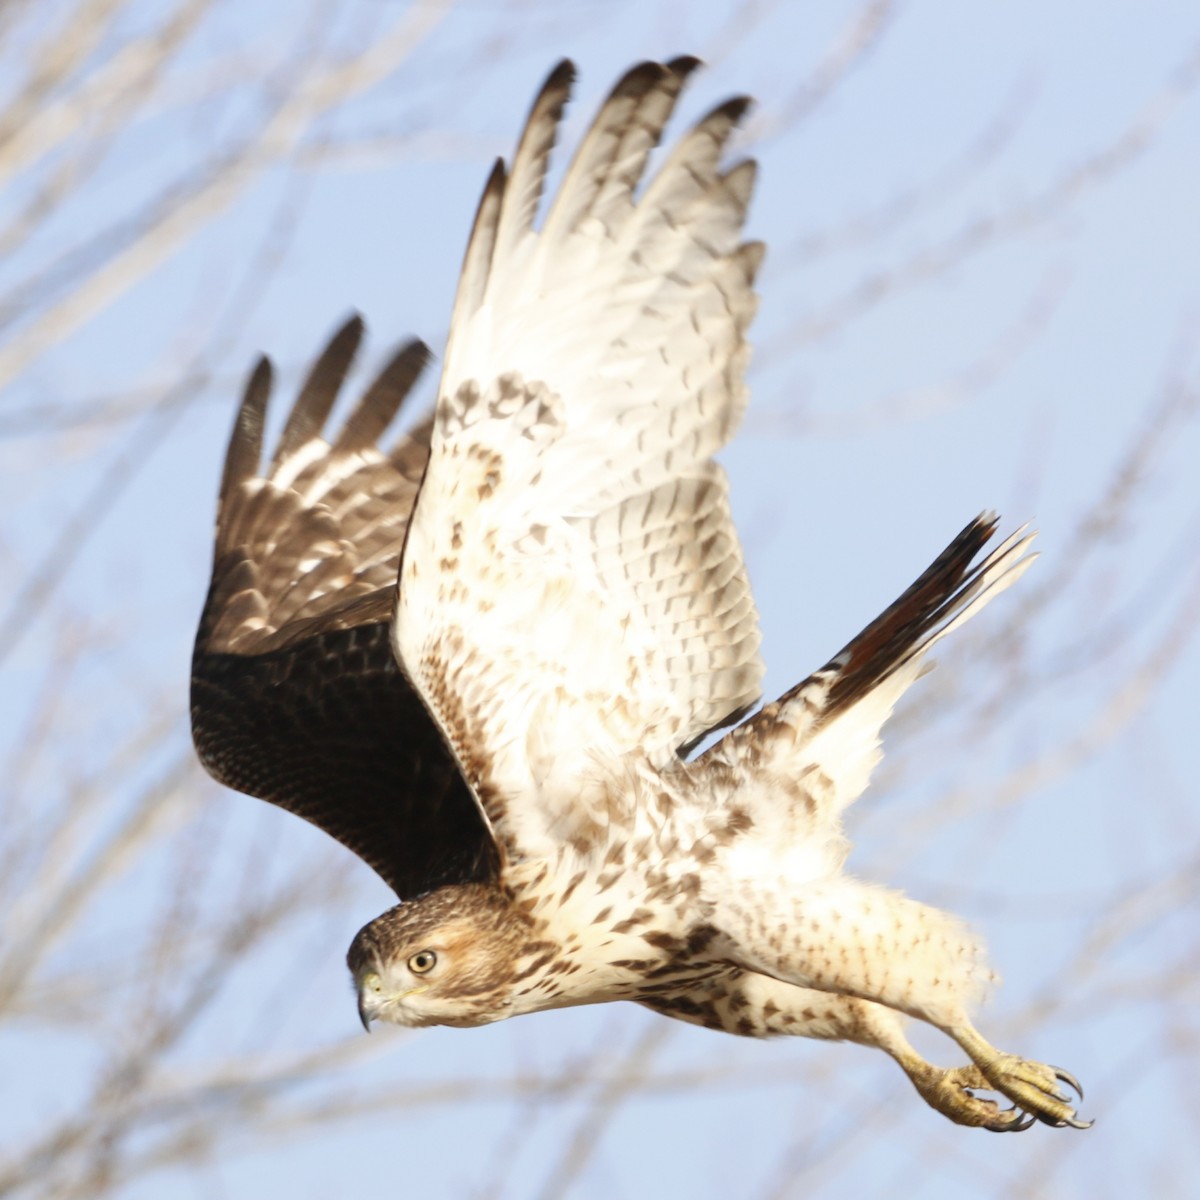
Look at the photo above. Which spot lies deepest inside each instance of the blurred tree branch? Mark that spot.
(136, 901)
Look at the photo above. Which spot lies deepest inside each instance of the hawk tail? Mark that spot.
(827, 728)
(946, 595)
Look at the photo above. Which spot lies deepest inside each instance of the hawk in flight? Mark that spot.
(480, 658)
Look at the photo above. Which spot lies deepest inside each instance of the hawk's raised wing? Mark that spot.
(572, 589)
(296, 695)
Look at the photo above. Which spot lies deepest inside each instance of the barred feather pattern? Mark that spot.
(312, 541)
(296, 694)
(573, 588)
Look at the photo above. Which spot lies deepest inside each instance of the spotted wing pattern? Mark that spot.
(296, 694)
(573, 588)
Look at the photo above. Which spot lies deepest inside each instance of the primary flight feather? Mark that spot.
(479, 658)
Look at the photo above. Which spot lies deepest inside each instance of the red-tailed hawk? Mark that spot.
(502, 733)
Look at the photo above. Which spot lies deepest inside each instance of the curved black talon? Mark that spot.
(1069, 1079)
(1019, 1126)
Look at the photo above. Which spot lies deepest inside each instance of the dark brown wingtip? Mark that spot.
(244, 452)
(639, 79)
(734, 109)
(477, 262)
(497, 177)
(483, 231)
(561, 78)
(550, 102)
(320, 390)
(526, 180)
(384, 398)
(684, 64)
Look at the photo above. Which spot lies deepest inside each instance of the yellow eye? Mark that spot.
(422, 962)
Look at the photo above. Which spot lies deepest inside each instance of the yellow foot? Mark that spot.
(950, 1092)
(1034, 1087)
(1031, 1086)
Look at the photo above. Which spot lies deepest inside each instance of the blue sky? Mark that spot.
(983, 285)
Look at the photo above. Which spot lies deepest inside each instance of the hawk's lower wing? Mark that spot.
(573, 588)
(296, 694)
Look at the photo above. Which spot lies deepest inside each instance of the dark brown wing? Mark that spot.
(296, 695)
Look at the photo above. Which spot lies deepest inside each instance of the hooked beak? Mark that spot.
(370, 997)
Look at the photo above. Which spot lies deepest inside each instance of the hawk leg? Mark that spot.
(856, 940)
(754, 1005)
(841, 935)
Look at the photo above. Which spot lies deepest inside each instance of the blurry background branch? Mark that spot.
(981, 290)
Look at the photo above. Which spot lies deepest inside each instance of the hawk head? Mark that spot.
(449, 957)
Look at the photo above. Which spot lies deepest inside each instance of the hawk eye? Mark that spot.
(422, 962)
